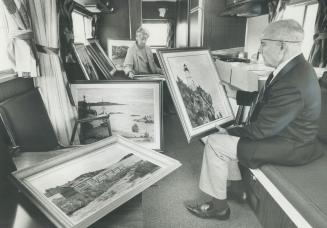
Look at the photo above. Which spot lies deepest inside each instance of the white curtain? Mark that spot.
(53, 80)
(21, 47)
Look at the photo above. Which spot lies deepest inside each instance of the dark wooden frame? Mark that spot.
(105, 64)
(85, 62)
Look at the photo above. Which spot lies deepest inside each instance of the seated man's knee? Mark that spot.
(212, 140)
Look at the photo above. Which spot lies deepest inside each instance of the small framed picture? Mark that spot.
(85, 62)
(117, 50)
(196, 89)
(76, 189)
(134, 107)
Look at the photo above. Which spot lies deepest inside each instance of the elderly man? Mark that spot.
(282, 126)
(139, 57)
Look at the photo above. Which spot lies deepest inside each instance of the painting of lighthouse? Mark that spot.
(196, 89)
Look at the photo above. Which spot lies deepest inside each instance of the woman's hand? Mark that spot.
(131, 75)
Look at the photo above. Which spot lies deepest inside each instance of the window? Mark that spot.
(82, 27)
(4, 39)
(158, 32)
(305, 14)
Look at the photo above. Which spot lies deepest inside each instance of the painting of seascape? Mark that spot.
(134, 110)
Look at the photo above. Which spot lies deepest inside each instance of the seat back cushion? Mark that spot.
(322, 133)
(28, 121)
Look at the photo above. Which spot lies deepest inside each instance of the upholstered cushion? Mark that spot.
(6, 166)
(322, 133)
(26, 117)
(304, 187)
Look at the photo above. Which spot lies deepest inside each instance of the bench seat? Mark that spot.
(304, 187)
(298, 194)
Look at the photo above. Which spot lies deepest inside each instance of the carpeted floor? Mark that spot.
(163, 203)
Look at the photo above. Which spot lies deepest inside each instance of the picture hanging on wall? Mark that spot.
(134, 107)
(196, 89)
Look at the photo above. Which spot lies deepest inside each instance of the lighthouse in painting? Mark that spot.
(189, 80)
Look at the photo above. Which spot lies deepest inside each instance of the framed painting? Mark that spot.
(85, 62)
(117, 50)
(196, 89)
(134, 107)
(149, 77)
(105, 65)
(76, 189)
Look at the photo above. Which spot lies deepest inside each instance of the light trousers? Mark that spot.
(219, 164)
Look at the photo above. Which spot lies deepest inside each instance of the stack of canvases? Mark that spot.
(93, 61)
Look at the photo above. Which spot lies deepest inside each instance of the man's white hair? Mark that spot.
(284, 30)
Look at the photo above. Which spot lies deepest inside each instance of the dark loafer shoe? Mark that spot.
(207, 210)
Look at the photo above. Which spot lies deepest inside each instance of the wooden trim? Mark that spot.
(281, 200)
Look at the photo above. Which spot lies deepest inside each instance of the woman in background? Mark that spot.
(139, 57)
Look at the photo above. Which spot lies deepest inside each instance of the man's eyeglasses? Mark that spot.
(287, 41)
(262, 41)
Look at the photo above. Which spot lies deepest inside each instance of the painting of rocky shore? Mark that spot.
(196, 90)
(79, 197)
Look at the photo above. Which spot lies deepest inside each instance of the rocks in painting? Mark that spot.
(135, 128)
(198, 104)
(145, 119)
(99, 185)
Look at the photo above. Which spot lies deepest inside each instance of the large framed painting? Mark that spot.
(134, 107)
(196, 89)
(105, 65)
(85, 61)
(117, 50)
(76, 189)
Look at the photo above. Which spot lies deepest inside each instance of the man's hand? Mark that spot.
(221, 130)
(230, 90)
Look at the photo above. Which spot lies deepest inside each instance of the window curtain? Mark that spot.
(318, 54)
(171, 34)
(53, 81)
(21, 47)
(276, 9)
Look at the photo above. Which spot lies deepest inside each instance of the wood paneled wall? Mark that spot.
(150, 10)
(222, 32)
(135, 13)
(182, 24)
(116, 25)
